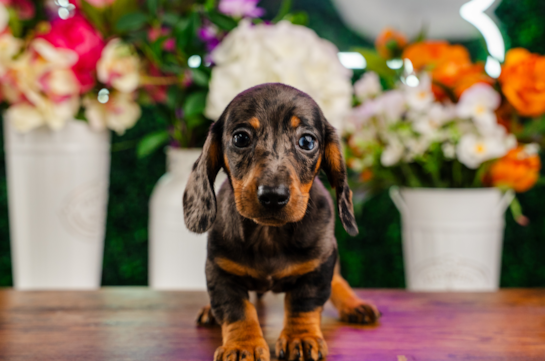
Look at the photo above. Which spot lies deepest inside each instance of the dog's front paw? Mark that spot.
(301, 346)
(359, 311)
(248, 350)
(206, 318)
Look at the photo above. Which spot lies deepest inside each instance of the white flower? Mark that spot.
(119, 113)
(391, 105)
(9, 47)
(473, 150)
(416, 147)
(420, 97)
(42, 87)
(430, 121)
(26, 116)
(294, 55)
(478, 103)
(52, 57)
(392, 154)
(449, 150)
(119, 67)
(4, 18)
(531, 149)
(368, 86)
(360, 115)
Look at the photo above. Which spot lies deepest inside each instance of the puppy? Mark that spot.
(271, 227)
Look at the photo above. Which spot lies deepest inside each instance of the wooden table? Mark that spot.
(140, 324)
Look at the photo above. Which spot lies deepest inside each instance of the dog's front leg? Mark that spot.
(302, 338)
(241, 333)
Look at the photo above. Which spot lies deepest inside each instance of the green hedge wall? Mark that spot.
(374, 257)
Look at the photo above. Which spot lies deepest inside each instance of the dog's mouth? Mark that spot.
(269, 221)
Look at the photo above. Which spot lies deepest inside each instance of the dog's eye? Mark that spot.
(241, 139)
(306, 142)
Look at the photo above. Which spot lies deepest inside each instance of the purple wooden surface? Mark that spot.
(140, 324)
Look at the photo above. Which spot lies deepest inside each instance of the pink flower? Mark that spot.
(24, 8)
(241, 8)
(77, 34)
(154, 34)
(158, 93)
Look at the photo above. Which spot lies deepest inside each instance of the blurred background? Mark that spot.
(374, 257)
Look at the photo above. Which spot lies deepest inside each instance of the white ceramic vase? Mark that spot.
(176, 255)
(452, 238)
(57, 194)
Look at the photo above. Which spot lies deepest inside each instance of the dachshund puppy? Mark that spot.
(271, 227)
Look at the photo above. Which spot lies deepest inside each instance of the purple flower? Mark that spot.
(210, 35)
(241, 8)
(208, 32)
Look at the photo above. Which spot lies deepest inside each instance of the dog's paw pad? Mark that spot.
(304, 348)
(206, 318)
(360, 312)
(245, 351)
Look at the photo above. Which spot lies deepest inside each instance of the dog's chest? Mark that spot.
(268, 273)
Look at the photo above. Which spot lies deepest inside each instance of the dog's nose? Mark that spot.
(273, 197)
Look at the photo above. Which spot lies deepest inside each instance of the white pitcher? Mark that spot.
(176, 255)
(452, 238)
(57, 194)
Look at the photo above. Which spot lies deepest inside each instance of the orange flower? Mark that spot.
(450, 66)
(389, 42)
(366, 175)
(523, 81)
(518, 169)
(470, 76)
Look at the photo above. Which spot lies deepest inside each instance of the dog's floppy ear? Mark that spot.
(199, 198)
(334, 167)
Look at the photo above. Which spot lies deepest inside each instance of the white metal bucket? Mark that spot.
(177, 256)
(57, 194)
(452, 238)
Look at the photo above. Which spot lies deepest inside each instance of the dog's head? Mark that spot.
(272, 140)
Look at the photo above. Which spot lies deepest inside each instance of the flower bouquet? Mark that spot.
(446, 132)
(63, 83)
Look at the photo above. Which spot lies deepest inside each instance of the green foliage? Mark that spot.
(377, 64)
(151, 142)
(195, 104)
(131, 22)
(222, 21)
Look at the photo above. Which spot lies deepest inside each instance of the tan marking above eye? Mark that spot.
(295, 121)
(254, 122)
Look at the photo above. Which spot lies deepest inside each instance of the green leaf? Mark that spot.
(183, 32)
(132, 21)
(151, 142)
(285, 8)
(224, 22)
(193, 122)
(170, 19)
(15, 24)
(377, 64)
(120, 8)
(95, 16)
(210, 5)
(153, 5)
(174, 96)
(195, 104)
(297, 18)
(200, 77)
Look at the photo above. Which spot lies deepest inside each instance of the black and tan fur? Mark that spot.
(291, 249)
